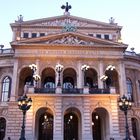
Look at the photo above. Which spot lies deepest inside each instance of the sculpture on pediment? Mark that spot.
(69, 28)
(67, 7)
(70, 40)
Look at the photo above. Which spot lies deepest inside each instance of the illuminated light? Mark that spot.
(96, 117)
(92, 123)
(85, 67)
(110, 67)
(126, 103)
(71, 117)
(45, 116)
(120, 103)
(104, 77)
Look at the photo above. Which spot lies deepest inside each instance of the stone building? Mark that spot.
(79, 102)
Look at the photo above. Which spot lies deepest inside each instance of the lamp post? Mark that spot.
(24, 104)
(84, 68)
(36, 78)
(125, 104)
(59, 69)
(33, 67)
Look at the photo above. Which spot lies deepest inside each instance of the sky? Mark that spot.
(125, 12)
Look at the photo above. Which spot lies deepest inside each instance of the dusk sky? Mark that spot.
(125, 12)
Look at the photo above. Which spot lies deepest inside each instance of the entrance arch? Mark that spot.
(72, 124)
(44, 124)
(135, 128)
(100, 124)
(2, 128)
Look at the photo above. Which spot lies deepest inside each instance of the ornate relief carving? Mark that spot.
(3, 112)
(69, 40)
(62, 22)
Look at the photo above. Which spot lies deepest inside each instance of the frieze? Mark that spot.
(62, 22)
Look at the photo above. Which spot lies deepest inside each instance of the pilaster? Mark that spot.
(101, 73)
(122, 79)
(29, 124)
(58, 124)
(79, 76)
(114, 124)
(14, 81)
(86, 128)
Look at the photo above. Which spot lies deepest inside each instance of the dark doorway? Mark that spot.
(134, 128)
(46, 127)
(70, 127)
(2, 128)
(96, 126)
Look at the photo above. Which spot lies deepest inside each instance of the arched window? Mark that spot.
(129, 88)
(6, 89)
(2, 128)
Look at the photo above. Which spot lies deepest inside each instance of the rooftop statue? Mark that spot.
(66, 7)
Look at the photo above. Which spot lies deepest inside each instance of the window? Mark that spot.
(106, 37)
(129, 88)
(90, 34)
(25, 35)
(6, 89)
(42, 34)
(34, 35)
(98, 35)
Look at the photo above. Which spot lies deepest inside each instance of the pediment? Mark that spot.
(67, 38)
(64, 19)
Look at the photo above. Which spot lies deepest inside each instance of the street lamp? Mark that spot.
(125, 104)
(36, 78)
(84, 68)
(33, 67)
(24, 104)
(59, 69)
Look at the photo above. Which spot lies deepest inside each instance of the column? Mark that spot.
(122, 79)
(37, 64)
(79, 76)
(58, 122)
(14, 81)
(87, 124)
(101, 73)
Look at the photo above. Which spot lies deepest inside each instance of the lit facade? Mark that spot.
(96, 70)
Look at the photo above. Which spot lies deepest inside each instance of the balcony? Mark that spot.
(71, 91)
(99, 91)
(45, 90)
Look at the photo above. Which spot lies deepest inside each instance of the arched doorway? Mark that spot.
(135, 128)
(2, 128)
(44, 124)
(72, 124)
(100, 124)
(96, 126)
